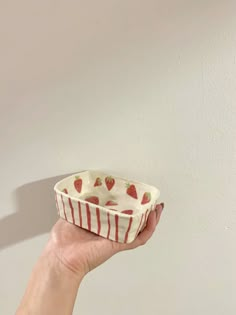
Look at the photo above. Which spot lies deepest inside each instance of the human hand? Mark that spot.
(80, 251)
(71, 253)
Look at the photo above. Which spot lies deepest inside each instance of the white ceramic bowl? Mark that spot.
(112, 207)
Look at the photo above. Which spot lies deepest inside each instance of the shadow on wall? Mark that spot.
(36, 212)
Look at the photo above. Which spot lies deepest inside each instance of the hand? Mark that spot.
(80, 251)
(71, 253)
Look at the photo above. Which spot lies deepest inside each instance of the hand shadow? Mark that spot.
(36, 212)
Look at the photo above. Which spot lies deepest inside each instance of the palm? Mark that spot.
(82, 251)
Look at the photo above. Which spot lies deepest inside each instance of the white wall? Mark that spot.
(144, 89)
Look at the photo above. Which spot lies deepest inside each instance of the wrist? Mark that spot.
(52, 257)
(52, 288)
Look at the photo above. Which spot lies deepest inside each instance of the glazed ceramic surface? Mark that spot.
(112, 207)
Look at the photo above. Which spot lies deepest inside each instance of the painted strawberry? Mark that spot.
(111, 203)
(98, 182)
(130, 212)
(110, 182)
(131, 191)
(93, 199)
(78, 183)
(146, 198)
(65, 191)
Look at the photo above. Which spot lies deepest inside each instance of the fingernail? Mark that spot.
(163, 205)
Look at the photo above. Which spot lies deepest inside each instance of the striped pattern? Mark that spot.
(72, 211)
(140, 225)
(64, 208)
(98, 220)
(117, 227)
(88, 216)
(146, 216)
(127, 232)
(106, 224)
(80, 215)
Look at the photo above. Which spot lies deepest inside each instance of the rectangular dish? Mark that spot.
(110, 206)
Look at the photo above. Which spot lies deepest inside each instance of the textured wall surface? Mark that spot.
(143, 89)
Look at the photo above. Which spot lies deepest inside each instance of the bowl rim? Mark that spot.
(101, 207)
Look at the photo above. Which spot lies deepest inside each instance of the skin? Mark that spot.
(69, 255)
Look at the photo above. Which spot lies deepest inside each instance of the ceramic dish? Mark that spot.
(112, 207)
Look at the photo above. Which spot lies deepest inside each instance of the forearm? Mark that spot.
(52, 288)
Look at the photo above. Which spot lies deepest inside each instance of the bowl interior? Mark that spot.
(110, 192)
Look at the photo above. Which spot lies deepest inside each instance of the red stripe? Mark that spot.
(57, 203)
(64, 207)
(140, 224)
(109, 224)
(98, 220)
(80, 215)
(116, 220)
(127, 232)
(88, 216)
(146, 216)
(72, 211)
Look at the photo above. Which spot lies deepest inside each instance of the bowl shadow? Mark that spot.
(36, 212)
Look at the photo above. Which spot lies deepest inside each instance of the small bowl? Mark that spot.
(110, 206)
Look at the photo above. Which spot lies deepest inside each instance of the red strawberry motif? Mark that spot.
(131, 191)
(111, 203)
(93, 199)
(98, 182)
(110, 182)
(130, 212)
(78, 183)
(65, 191)
(146, 198)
